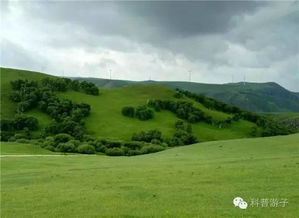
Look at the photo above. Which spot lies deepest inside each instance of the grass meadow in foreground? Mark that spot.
(200, 180)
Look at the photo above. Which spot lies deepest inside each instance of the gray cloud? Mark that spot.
(213, 39)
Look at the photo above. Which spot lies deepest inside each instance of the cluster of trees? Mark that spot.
(67, 115)
(209, 102)
(63, 84)
(151, 136)
(270, 128)
(21, 123)
(182, 136)
(183, 109)
(141, 112)
(28, 95)
(66, 143)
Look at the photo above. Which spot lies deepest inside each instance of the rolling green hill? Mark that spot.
(255, 97)
(107, 121)
(199, 180)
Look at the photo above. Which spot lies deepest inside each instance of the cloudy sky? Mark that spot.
(217, 41)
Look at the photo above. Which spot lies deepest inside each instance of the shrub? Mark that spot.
(67, 147)
(62, 137)
(115, 152)
(113, 144)
(179, 125)
(144, 113)
(178, 95)
(49, 142)
(86, 149)
(134, 152)
(133, 145)
(151, 149)
(50, 148)
(147, 136)
(21, 122)
(128, 111)
(175, 141)
(5, 135)
(155, 141)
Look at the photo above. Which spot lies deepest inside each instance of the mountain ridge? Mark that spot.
(255, 97)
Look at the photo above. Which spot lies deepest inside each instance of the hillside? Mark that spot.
(255, 97)
(106, 120)
(7, 75)
(200, 180)
(288, 119)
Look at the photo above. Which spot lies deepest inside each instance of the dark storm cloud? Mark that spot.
(213, 38)
(146, 20)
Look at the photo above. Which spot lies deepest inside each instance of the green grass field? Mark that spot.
(199, 180)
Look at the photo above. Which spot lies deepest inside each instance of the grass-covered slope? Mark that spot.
(256, 97)
(193, 181)
(106, 119)
(7, 75)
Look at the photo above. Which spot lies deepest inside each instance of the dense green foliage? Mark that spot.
(66, 114)
(141, 112)
(183, 109)
(19, 127)
(128, 111)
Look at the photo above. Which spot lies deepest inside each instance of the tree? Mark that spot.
(128, 111)
(144, 113)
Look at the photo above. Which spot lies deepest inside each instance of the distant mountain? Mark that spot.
(256, 97)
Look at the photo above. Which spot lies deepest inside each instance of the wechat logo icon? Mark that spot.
(239, 202)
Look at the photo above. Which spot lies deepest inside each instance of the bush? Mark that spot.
(86, 149)
(22, 122)
(5, 135)
(144, 113)
(67, 147)
(115, 152)
(113, 144)
(151, 149)
(128, 111)
(147, 136)
(49, 142)
(62, 137)
(50, 148)
(134, 152)
(175, 141)
(133, 145)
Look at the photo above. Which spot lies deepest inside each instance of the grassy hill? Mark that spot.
(107, 121)
(256, 97)
(7, 75)
(200, 180)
